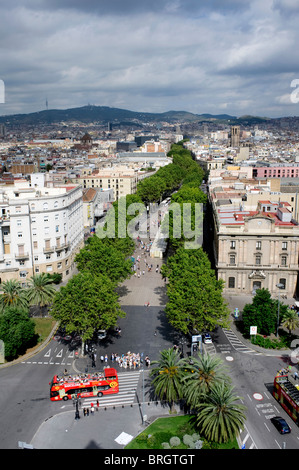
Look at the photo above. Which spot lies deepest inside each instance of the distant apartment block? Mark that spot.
(282, 170)
(122, 181)
(41, 229)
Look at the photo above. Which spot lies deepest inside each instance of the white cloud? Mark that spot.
(192, 55)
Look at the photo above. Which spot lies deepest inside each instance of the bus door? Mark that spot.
(62, 393)
(95, 391)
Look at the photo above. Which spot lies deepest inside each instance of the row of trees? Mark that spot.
(206, 388)
(195, 299)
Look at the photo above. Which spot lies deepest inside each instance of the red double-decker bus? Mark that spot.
(95, 384)
(287, 394)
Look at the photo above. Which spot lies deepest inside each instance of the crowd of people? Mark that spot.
(129, 360)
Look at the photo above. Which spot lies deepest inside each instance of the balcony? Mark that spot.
(21, 256)
(63, 246)
(49, 249)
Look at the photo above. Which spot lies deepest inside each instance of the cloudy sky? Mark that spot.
(203, 56)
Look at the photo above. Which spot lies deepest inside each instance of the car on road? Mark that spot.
(207, 339)
(281, 425)
(101, 334)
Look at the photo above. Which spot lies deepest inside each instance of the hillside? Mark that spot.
(105, 114)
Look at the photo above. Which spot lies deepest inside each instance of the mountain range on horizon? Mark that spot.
(106, 114)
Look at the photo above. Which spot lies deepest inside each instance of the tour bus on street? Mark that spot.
(286, 393)
(93, 384)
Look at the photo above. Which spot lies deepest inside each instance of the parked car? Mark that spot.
(281, 424)
(207, 338)
(102, 334)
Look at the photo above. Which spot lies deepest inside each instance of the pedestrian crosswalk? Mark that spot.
(237, 344)
(128, 382)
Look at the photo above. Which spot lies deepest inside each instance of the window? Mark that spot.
(49, 268)
(284, 245)
(231, 282)
(258, 245)
(19, 223)
(45, 206)
(18, 209)
(284, 260)
(283, 282)
(20, 234)
(258, 259)
(232, 259)
(232, 244)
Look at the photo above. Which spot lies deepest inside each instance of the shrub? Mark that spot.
(174, 441)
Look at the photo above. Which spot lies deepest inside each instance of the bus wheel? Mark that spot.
(65, 398)
(100, 394)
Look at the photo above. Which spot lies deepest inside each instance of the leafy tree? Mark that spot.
(290, 320)
(13, 295)
(99, 257)
(262, 313)
(151, 189)
(17, 331)
(40, 291)
(201, 375)
(195, 299)
(168, 373)
(87, 303)
(219, 416)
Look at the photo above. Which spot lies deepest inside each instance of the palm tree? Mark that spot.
(290, 320)
(201, 375)
(13, 295)
(41, 290)
(167, 375)
(219, 417)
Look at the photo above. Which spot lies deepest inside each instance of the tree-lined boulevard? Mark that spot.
(155, 310)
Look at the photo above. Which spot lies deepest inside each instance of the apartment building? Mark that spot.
(256, 248)
(41, 229)
(122, 180)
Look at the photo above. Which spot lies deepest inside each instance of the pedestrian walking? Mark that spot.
(102, 358)
(91, 408)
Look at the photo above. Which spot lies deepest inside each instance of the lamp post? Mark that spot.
(76, 402)
(280, 286)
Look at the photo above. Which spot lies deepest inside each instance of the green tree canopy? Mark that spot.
(101, 257)
(195, 299)
(40, 290)
(13, 295)
(17, 331)
(87, 303)
(167, 376)
(219, 416)
(262, 313)
(201, 375)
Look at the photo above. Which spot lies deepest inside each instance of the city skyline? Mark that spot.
(216, 57)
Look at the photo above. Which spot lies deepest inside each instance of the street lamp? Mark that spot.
(76, 402)
(280, 286)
